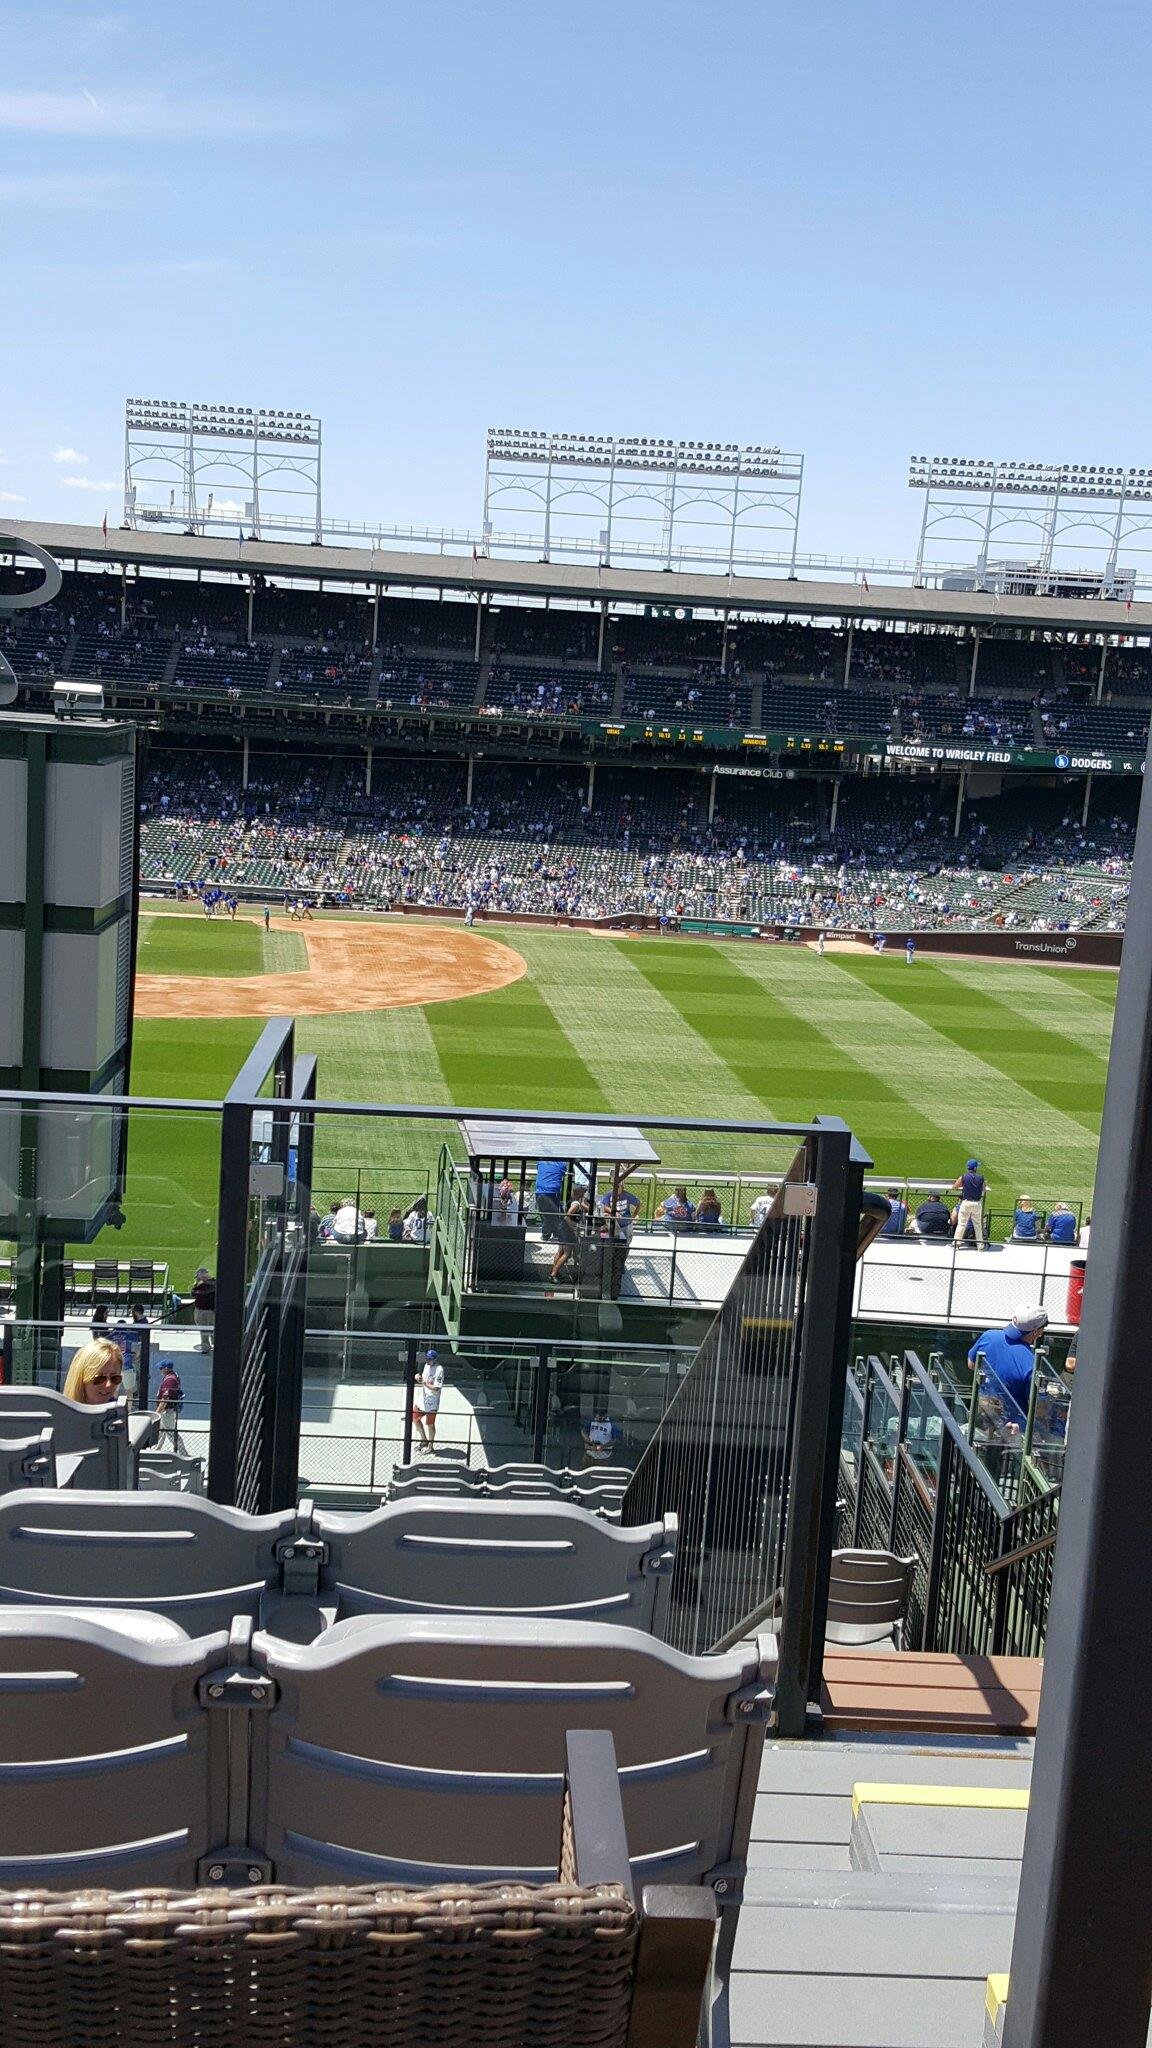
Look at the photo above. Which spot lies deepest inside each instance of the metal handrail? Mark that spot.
(1044, 1542)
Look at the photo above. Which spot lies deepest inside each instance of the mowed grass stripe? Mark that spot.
(506, 1050)
(762, 1011)
(213, 946)
(636, 1043)
(1060, 1074)
(1022, 1140)
(377, 1056)
(1097, 982)
(814, 1070)
(1069, 1015)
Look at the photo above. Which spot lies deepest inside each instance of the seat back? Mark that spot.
(194, 1562)
(169, 1472)
(27, 1461)
(418, 1750)
(867, 1595)
(113, 1771)
(98, 1435)
(497, 1557)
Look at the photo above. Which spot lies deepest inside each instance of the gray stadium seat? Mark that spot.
(170, 1472)
(114, 1772)
(421, 1751)
(539, 1558)
(27, 1461)
(94, 1446)
(172, 1554)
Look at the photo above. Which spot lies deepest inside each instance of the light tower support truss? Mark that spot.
(684, 504)
(1081, 523)
(221, 468)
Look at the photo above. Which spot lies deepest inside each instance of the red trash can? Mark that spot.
(1075, 1290)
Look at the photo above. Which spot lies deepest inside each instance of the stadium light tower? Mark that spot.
(198, 455)
(687, 502)
(1101, 507)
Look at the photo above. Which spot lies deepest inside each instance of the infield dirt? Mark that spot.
(350, 967)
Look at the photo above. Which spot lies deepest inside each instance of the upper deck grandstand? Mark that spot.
(550, 740)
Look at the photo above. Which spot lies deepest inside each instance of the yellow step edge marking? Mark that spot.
(996, 1995)
(938, 1795)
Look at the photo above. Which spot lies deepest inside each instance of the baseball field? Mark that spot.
(929, 1064)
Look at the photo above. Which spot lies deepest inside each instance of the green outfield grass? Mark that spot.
(928, 1064)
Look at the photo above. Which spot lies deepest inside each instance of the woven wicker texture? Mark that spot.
(484, 1966)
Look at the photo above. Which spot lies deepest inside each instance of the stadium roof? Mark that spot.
(160, 548)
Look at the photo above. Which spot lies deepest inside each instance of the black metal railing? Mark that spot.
(745, 1456)
(976, 1518)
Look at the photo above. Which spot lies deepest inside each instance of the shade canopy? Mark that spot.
(522, 1138)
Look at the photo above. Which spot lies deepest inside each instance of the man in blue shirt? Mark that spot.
(970, 1208)
(1009, 1361)
(897, 1215)
(549, 1189)
(1061, 1225)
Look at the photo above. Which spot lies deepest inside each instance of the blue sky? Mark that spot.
(859, 230)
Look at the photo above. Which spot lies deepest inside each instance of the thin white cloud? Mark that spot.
(64, 188)
(85, 483)
(10, 498)
(71, 455)
(100, 28)
(152, 117)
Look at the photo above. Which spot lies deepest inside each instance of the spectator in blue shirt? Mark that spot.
(1009, 1361)
(1025, 1223)
(970, 1208)
(549, 1189)
(1061, 1225)
(933, 1218)
(897, 1216)
(679, 1212)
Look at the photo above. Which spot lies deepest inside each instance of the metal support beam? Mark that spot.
(591, 783)
(600, 639)
(961, 786)
(835, 805)
(1080, 1959)
(1087, 797)
(468, 785)
(251, 605)
(975, 664)
(848, 654)
(368, 769)
(824, 1345)
(244, 762)
(479, 624)
(711, 796)
(1100, 677)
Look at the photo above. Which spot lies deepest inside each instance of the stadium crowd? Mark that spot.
(529, 841)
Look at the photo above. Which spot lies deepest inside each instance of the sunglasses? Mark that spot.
(107, 1379)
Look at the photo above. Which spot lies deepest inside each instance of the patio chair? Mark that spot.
(583, 1957)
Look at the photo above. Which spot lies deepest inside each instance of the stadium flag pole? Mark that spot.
(1080, 1954)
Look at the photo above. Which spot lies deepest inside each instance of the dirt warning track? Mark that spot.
(350, 967)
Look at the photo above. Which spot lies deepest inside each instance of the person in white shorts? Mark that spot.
(426, 1404)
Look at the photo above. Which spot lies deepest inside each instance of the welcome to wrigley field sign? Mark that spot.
(961, 756)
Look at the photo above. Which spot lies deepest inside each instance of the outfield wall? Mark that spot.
(1070, 949)
(1040, 949)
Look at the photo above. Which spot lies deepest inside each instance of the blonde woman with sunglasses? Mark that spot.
(95, 1374)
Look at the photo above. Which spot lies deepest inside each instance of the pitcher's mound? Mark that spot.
(350, 967)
